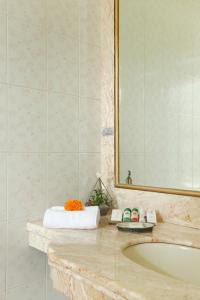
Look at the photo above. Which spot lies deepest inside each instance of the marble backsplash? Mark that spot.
(183, 210)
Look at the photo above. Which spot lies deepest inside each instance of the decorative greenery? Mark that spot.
(100, 195)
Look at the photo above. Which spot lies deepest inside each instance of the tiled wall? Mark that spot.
(50, 90)
(174, 207)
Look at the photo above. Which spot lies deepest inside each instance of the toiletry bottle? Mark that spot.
(151, 216)
(142, 215)
(135, 215)
(127, 215)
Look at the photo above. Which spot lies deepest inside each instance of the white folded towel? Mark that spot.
(57, 217)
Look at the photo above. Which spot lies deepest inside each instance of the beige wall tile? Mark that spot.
(90, 22)
(26, 186)
(24, 264)
(22, 9)
(90, 71)
(89, 125)
(62, 52)
(196, 95)
(63, 64)
(67, 12)
(3, 41)
(26, 43)
(3, 203)
(2, 257)
(2, 296)
(62, 177)
(31, 291)
(62, 123)
(26, 120)
(2, 6)
(3, 117)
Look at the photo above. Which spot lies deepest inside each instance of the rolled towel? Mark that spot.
(57, 217)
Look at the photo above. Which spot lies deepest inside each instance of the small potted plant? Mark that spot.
(100, 197)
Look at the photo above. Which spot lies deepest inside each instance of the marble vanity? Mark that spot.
(89, 264)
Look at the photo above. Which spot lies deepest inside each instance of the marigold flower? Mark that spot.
(73, 205)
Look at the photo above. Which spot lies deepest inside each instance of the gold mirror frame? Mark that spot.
(116, 125)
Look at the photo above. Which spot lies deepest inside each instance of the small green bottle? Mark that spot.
(127, 215)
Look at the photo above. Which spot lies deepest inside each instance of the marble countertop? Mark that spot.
(96, 256)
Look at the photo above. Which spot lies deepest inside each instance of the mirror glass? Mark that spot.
(158, 90)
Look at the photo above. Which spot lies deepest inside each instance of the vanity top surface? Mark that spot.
(97, 256)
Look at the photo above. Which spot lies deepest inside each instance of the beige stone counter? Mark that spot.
(89, 264)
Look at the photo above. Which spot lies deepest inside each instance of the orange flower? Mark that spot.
(73, 204)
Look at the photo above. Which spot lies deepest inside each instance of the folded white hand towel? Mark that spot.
(57, 217)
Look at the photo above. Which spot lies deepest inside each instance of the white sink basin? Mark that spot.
(176, 261)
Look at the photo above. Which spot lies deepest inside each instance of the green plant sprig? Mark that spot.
(99, 197)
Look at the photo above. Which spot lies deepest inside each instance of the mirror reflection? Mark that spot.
(159, 93)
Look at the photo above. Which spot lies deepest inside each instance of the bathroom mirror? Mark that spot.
(157, 95)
